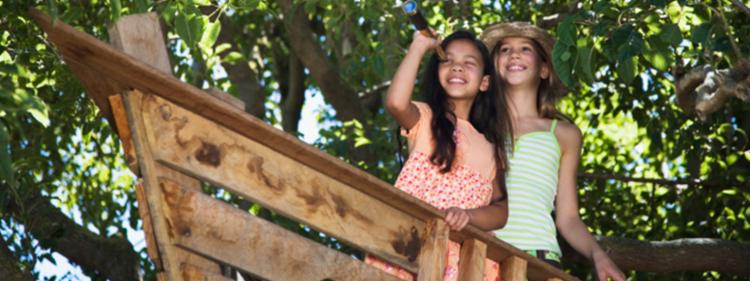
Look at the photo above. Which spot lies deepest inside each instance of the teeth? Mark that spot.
(516, 67)
(456, 80)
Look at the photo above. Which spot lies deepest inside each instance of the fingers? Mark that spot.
(456, 218)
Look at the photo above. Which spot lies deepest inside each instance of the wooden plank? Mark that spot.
(140, 36)
(513, 269)
(123, 130)
(193, 272)
(433, 254)
(192, 144)
(226, 97)
(247, 242)
(181, 256)
(472, 260)
(84, 49)
(148, 229)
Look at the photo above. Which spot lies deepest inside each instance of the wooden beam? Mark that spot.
(246, 242)
(472, 260)
(432, 258)
(513, 269)
(194, 145)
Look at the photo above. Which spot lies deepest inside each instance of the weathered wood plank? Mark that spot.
(148, 229)
(472, 260)
(182, 256)
(140, 36)
(85, 50)
(198, 146)
(123, 130)
(247, 242)
(513, 269)
(433, 254)
(193, 272)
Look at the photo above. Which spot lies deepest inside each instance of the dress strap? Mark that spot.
(553, 126)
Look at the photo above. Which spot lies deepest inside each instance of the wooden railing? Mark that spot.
(176, 136)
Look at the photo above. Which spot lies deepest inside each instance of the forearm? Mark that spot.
(489, 217)
(575, 232)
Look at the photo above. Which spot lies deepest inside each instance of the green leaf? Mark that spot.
(659, 55)
(6, 169)
(189, 27)
(674, 11)
(142, 6)
(562, 67)
(210, 34)
(116, 9)
(626, 70)
(671, 34)
(701, 33)
(585, 55)
(566, 32)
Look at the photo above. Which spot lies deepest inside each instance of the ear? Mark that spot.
(485, 84)
(544, 73)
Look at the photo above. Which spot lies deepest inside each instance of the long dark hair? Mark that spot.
(489, 113)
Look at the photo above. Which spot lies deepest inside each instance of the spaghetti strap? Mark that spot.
(553, 126)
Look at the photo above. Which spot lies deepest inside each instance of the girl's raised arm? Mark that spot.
(398, 102)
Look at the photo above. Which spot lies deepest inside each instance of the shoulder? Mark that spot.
(423, 107)
(568, 135)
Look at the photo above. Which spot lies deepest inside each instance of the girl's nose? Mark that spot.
(457, 67)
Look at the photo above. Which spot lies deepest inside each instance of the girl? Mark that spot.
(456, 138)
(546, 152)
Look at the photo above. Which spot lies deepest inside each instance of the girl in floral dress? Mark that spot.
(456, 139)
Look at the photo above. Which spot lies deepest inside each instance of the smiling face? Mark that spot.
(462, 73)
(519, 63)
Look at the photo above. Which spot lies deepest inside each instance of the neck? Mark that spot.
(461, 107)
(522, 101)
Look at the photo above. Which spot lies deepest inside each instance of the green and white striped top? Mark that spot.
(532, 186)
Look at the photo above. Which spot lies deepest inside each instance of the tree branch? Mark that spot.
(9, 264)
(335, 90)
(292, 101)
(112, 257)
(658, 181)
(242, 76)
(741, 6)
(688, 254)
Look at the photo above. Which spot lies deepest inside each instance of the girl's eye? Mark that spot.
(527, 49)
(446, 61)
(504, 50)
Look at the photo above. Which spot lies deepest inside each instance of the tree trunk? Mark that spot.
(113, 257)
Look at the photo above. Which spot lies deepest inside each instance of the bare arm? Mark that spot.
(398, 101)
(568, 220)
(487, 218)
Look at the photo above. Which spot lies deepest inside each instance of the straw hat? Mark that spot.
(497, 32)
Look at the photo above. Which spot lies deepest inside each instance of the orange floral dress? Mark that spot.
(468, 185)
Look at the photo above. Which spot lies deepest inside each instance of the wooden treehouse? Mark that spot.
(176, 136)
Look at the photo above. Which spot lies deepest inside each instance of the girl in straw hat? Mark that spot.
(456, 138)
(546, 152)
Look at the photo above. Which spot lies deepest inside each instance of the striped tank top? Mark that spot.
(532, 186)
